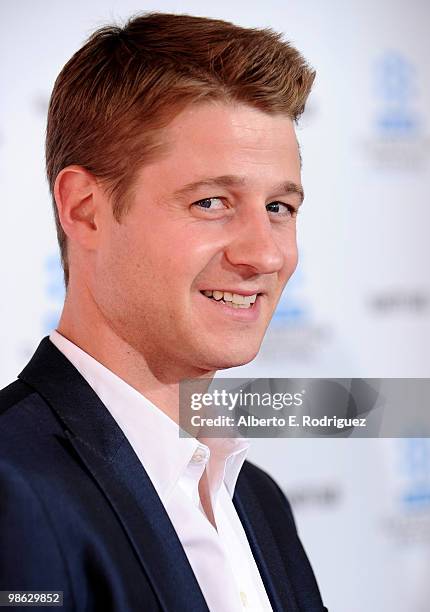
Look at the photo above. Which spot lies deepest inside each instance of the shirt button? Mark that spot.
(244, 599)
(199, 456)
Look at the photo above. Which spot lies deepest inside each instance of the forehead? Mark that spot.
(228, 139)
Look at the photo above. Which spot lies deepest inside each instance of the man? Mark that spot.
(175, 171)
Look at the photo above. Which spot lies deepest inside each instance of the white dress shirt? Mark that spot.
(221, 558)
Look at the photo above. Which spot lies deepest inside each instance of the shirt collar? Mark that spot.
(153, 435)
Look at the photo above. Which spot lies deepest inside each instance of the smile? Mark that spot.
(233, 300)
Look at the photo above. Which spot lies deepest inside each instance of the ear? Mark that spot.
(77, 194)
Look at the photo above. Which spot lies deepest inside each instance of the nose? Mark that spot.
(254, 244)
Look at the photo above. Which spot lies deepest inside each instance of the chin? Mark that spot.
(234, 359)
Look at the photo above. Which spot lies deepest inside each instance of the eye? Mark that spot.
(210, 203)
(281, 209)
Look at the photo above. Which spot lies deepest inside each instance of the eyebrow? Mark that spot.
(229, 180)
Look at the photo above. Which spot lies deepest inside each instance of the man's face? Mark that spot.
(215, 213)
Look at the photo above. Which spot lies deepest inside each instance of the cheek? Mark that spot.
(164, 264)
(189, 253)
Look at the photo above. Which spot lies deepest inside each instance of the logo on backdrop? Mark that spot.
(293, 308)
(415, 464)
(294, 329)
(401, 300)
(408, 521)
(399, 139)
(397, 91)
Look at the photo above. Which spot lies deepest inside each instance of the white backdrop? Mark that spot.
(359, 302)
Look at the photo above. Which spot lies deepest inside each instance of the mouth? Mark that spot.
(231, 299)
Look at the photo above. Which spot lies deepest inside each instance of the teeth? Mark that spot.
(234, 300)
(233, 305)
(238, 299)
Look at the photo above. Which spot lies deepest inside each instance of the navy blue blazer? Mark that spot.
(79, 514)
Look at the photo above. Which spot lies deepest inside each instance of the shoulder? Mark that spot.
(31, 556)
(12, 395)
(268, 492)
(19, 411)
(261, 480)
(258, 475)
(22, 412)
(29, 430)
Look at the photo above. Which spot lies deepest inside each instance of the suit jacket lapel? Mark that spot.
(264, 549)
(103, 448)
